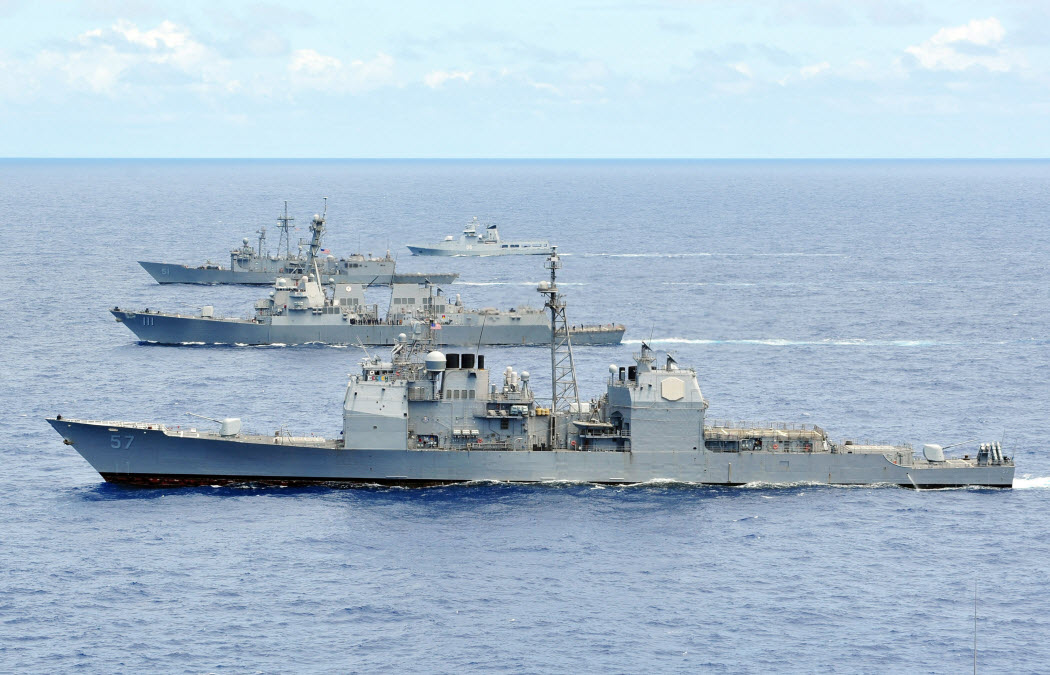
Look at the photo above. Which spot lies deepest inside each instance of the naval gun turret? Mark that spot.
(228, 426)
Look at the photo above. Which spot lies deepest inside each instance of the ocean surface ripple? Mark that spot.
(892, 301)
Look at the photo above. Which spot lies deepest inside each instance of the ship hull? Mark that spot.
(148, 455)
(170, 273)
(331, 329)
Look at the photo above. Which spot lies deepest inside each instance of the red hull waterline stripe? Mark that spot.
(191, 480)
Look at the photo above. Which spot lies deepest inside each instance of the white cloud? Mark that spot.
(310, 62)
(805, 73)
(109, 60)
(976, 43)
(439, 77)
(814, 70)
(310, 69)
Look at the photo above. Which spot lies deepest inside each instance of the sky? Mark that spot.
(538, 79)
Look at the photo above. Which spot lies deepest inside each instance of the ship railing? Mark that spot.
(595, 328)
(760, 426)
(490, 446)
(119, 423)
(605, 434)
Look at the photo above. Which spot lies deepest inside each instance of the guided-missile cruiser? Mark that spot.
(251, 265)
(427, 417)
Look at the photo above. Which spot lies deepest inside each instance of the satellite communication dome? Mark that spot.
(613, 369)
(524, 376)
(435, 361)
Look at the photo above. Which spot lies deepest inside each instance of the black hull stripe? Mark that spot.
(191, 480)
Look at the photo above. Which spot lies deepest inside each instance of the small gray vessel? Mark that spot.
(300, 311)
(472, 243)
(256, 266)
(424, 417)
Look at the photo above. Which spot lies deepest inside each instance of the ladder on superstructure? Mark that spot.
(564, 392)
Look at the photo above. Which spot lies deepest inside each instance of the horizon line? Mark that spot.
(531, 159)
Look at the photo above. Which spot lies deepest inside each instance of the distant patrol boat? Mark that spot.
(471, 243)
(249, 265)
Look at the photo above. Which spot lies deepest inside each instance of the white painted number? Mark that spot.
(116, 443)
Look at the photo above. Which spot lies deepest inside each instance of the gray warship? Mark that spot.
(473, 243)
(256, 266)
(300, 311)
(423, 417)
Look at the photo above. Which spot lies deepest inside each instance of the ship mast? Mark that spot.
(262, 241)
(317, 231)
(285, 226)
(563, 370)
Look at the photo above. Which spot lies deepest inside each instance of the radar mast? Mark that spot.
(284, 224)
(316, 232)
(563, 369)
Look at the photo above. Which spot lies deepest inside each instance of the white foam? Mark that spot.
(1029, 482)
(781, 342)
(515, 283)
(782, 254)
(644, 255)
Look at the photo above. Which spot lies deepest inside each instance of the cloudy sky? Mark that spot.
(568, 78)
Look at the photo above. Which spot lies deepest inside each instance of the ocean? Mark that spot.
(883, 300)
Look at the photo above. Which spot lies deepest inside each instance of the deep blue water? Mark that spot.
(893, 301)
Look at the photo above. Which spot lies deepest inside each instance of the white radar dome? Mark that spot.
(435, 361)
(613, 369)
(524, 376)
